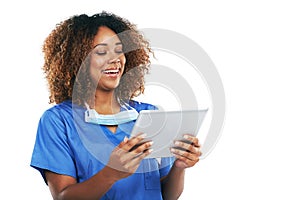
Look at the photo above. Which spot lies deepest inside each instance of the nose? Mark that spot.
(114, 60)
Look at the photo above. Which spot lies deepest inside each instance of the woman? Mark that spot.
(95, 65)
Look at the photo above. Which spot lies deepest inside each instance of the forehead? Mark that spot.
(105, 35)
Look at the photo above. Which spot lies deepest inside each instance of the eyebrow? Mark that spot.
(105, 44)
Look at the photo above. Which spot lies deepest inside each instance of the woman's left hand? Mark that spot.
(186, 151)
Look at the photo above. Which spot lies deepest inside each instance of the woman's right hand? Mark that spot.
(123, 162)
(126, 157)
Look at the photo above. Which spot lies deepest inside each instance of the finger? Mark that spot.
(188, 147)
(127, 145)
(141, 147)
(125, 140)
(187, 162)
(135, 162)
(185, 154)
(138, 150)
(194, 140)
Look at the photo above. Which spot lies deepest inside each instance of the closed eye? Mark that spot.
(103, 48)
(119, 48)
(101, 53)
(119, 51)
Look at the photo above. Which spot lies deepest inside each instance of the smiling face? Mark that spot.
(107, 59)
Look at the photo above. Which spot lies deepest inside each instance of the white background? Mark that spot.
(255, 46)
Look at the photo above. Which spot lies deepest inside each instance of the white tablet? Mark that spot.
(164, 127)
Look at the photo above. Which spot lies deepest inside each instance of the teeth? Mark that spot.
(111, 71)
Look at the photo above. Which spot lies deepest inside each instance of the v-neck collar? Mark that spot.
(121, 131)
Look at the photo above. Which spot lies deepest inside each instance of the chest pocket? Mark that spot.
(151, 174)
(152, 180)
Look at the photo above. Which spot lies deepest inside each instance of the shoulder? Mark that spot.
(58, 111)
(142, 106)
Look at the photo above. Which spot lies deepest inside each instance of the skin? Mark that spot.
(107, 54)
(124, 160)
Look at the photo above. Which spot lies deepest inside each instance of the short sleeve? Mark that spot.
(142, 106)
(166, 165)
(51, 150)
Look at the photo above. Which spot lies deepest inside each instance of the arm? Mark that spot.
(173, 183)
(66, 187)
(123, 163)
(187, 156)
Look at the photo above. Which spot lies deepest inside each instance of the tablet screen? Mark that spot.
(164, 127)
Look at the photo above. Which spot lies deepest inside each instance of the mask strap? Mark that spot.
(87, 106)
(124, 105)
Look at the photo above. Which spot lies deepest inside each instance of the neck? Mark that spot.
(106, 103)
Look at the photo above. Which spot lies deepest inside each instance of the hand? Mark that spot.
(186, 151)
(126, 157)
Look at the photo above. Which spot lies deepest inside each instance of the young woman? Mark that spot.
(95, 65)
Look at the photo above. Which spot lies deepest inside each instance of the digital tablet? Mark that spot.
(164, 127)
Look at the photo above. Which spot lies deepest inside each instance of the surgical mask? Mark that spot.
(127, 115)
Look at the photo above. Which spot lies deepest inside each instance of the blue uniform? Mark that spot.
(66, 144)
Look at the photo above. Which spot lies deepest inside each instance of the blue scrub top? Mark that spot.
(66, 144)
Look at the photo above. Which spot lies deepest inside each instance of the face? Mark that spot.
(107, 59)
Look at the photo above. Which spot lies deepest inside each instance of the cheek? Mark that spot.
(123, 61)
(95, 68)
(97, 63)
(95, 74)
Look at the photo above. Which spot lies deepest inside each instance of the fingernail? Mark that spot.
(186, 137)
(143, 135)
(177, 143)
(125, 139)
(151, 143)
(150, 150)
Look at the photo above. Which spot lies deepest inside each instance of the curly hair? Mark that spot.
(66, 51)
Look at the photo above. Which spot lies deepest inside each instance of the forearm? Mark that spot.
(91, 189)
(123, 163)
(172, 185)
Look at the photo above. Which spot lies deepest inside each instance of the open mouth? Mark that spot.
(111, 71)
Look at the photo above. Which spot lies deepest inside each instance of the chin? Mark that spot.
(107, 87)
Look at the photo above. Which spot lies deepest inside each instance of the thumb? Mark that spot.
(125, 140)
(180, 164)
